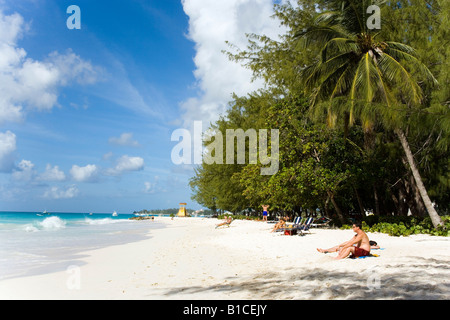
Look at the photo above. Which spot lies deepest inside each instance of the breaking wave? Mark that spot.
(50, 223)
(100, 221)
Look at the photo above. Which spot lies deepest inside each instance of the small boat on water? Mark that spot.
(45, 212)
(115, 214)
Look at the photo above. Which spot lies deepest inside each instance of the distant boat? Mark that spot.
(43, 213)
(114, 214)
(90, 214)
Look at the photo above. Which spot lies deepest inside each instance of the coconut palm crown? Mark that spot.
(356, 73)
(359, 76)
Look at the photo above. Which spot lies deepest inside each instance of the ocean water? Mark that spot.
(34, 243)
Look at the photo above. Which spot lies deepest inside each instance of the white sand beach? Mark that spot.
(190, 259)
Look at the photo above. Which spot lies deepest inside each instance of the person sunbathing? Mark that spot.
(374, 245)
(358, 246)
(227, 221)
(279, 225)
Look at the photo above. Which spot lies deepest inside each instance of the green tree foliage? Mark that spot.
(363, 114)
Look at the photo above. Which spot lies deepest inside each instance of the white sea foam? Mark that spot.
(30, 228)
(53, 223)
(37, 244)
(100, 221)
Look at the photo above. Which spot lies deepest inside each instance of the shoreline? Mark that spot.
(188, 259)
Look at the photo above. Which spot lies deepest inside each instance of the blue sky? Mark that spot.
(86, 116)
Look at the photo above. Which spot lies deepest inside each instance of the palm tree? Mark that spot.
(358, 76)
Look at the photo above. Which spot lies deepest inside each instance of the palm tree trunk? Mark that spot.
(360, 203)
(435, 218)
(336, 207)
(377, 201)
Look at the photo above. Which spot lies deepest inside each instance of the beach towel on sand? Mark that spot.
(363, 257)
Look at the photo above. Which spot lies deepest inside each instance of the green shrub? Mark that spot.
(403, 226)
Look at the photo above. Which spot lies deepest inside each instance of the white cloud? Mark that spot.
(157, 186)
(125, 139)
(107, 156)
(126, 164)
(7, 148)
(11, 27)
(31, 84)
(52, 174)
(211, 23)
(88, 173)
(24, 172)
(149, 187)
(58, 193)
(121, 89)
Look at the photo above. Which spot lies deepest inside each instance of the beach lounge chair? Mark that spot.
(291, 229)
(305, 227)
(290, 226)
(224, 224)
(323, 222)
(296, 223)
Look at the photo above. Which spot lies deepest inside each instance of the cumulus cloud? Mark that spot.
(211, 23)
(24, 172)
(61, 193)
(126, 164)
(52, 174)
(125, 139)
(89, 173)
(7, 149)
(31, 84)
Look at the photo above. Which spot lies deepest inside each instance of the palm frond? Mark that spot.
(395, 73)
(405, 53)
(340, 45)
(318, 35)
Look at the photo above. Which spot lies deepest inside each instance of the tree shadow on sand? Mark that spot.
(416, 278)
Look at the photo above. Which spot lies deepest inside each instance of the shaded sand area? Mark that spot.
(190, 259)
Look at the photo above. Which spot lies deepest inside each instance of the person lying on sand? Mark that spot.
(359, 245)
(279, 225)
(227, 221)
(374, 245)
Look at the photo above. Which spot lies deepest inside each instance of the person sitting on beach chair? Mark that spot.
(227, 222)
(279, 225)
(358, 246)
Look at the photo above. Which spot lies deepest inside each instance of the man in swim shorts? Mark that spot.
(265, 213)
(358, 246)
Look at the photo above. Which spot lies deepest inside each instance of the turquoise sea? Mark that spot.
(34, 243)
